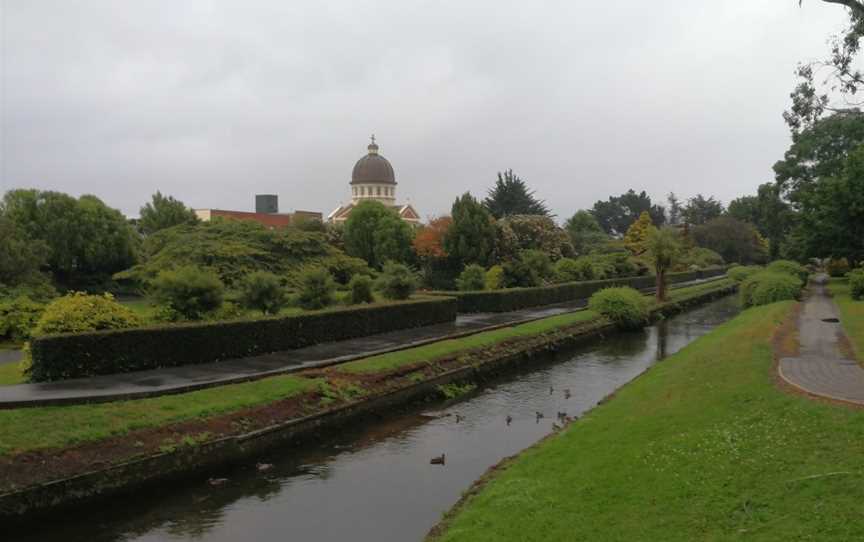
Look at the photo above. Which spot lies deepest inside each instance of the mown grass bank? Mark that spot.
(704, 446)
(41, 428)
(441, 349)
(851, 313)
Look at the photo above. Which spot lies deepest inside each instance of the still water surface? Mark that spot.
(375, 482)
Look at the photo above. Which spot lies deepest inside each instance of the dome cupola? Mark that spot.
(373, 168)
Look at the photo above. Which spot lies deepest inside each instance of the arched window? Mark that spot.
(362, 190)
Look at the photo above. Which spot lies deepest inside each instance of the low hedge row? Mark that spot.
(62, 356)
(512, 299)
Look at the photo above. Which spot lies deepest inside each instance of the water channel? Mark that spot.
(375, 482)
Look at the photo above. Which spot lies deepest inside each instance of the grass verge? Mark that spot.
(10, 373)
(435, 351)
(28, 429)
(704, 446)
(851, 313)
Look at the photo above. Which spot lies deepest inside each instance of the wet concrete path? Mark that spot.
(822, 367)
(191, 377)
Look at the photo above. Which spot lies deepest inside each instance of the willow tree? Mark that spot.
(663, 250)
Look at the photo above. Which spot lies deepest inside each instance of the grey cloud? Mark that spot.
(215, 101)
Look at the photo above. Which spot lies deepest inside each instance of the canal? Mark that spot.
(375, 482)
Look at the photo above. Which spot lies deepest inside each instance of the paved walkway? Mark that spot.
(822, 367)
(191, 377)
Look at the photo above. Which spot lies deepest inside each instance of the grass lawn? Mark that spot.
(432, 352)
(10, 373)
(851, 313)
(440, 349)
(48, 427)
(702, 447)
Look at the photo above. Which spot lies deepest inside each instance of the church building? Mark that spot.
(373, 179)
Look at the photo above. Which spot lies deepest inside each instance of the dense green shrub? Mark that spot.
(190, 291)
(700, 258)
(396, 281)
(769, 286)
(789, 267)
(58, 357)
(740, 272)
(856, 284)
(78, 312)
(361, 289)
(263, 291)
(837, 267)
(18, 318)
(567, 270)
(344, 268)
(617, 264)
(538, 262)
(511, 299)
(317, 289)
(624, 306)
(516, 274)
(495, 278)
(473, 277)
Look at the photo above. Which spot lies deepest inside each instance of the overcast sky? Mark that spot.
(213, 102)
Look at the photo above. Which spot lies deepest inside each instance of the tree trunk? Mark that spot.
(661, 285)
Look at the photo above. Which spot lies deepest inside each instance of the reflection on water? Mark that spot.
(374, 482)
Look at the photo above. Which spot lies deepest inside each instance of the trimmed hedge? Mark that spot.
(512, 299)
(62, 356)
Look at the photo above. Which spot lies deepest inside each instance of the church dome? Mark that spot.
(373, 168)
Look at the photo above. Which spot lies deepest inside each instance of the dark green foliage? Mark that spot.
(615, 264)
(517, 233)
(740, 273)
(376, 234)
(617, 214)
(344, 268)
(164, 212)
(837, 267)
(570, 270)
(21, 259)
(263, 291)
(856, 284)
(57, 357)
(623, 306)
(832, 212)
(699, 257)
(767, 211)
(18, 318)
(820, 151)
(734, 240)
(789, 267)
(512, 299)
(539, 264)
(471, 237)
(511, 196)
(317, 289)
(190, 291)
(87, 241)
(585, 233)
(768, 287)
(396, 281)
(700, 210)
(232, 248)
(517, 274)
(361, 289)
(472, 278)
